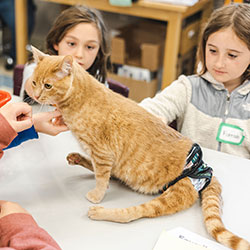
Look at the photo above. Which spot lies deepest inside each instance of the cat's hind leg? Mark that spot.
(180, 196)
(77, 159)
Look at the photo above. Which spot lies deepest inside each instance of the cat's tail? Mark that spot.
(211, 207)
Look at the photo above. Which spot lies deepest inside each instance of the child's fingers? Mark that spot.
(56, 113)
(23, 124)
(23, 109)
(58, 121)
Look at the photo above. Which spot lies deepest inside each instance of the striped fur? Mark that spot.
(211, 207)
(125, 141)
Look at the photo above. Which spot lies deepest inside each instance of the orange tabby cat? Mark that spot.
(125, 141)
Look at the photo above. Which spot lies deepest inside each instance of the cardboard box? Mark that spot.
(138, 90)
(137, 45)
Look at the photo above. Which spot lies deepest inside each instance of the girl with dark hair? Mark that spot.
(81, 32)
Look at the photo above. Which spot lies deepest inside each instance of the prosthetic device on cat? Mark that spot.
(125, 141)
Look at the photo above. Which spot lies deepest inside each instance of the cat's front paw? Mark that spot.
(74, 158)
(95, 196)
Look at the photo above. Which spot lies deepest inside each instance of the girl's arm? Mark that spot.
(23, 136)
(16, 117)
(49, 123)
(18, 230)
(171, 102)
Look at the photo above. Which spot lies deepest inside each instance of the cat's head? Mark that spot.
(52, 79)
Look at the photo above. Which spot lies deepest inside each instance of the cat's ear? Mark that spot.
(65, 67)
(37, 54)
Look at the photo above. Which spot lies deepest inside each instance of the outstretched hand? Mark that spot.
(50, 123)
(19, 116)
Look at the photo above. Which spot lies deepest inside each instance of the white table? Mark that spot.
(36, 175)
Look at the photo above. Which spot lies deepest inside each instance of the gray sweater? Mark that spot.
(200, 105)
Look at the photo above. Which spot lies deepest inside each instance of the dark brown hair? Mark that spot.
(235, 16)
(68, 19)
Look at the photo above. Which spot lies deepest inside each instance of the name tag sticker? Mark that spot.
(231, 134)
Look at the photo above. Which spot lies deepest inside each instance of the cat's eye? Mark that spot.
(34, 83)
(47, 86)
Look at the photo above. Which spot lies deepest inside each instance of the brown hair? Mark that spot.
(236, 16)
(70, 18)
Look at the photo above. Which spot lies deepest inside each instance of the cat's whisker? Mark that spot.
(44, 107)
(27, 99)
(41, 108)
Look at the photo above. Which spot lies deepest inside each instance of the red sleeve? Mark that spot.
(19, 231)
(7, 134)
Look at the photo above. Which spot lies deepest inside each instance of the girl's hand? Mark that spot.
(18, 115)
(8, 207)
(50, 123)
